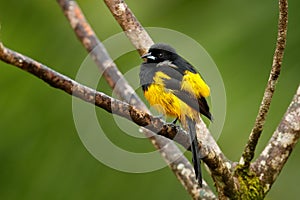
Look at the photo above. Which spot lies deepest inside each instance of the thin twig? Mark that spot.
(111, 73)
(249, 150)
(272, 159)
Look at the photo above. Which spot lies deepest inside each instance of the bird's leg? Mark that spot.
(174, 122)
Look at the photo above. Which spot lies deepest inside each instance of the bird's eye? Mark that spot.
(160, 55)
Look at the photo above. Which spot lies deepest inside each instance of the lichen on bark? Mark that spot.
(250, 187)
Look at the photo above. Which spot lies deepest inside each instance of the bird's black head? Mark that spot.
(160, 52)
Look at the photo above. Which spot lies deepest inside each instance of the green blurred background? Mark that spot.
(41, 155)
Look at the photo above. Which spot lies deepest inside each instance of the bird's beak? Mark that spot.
(148, 56)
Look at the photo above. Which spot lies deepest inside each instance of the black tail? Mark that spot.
(195, 150)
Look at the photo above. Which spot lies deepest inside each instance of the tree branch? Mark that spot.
(130, 25)
(249, 150)
(272, 159)
(87, 94)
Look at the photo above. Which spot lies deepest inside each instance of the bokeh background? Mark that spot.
(41, 155)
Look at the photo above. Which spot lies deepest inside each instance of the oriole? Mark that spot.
(175, 88)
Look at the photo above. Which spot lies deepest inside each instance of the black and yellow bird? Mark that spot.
(175, 88)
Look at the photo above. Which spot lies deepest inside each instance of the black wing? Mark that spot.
(184, 65)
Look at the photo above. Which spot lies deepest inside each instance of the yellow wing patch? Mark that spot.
(159, 76)
(194, 84)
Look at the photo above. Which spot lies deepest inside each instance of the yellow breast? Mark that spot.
(167, 103)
